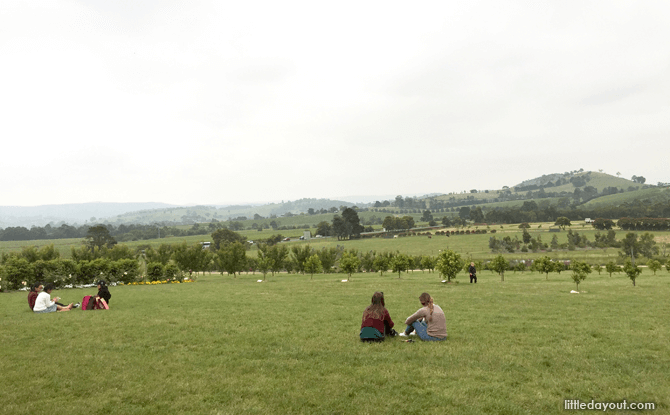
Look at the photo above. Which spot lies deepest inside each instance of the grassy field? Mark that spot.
(474, 246)
(228, 345)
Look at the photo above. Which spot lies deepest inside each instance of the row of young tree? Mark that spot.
(171, 261)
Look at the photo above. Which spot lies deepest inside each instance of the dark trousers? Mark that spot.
(473, 277)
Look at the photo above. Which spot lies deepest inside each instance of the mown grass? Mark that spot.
(229, 345)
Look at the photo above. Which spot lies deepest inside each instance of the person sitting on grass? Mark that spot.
(103, 292)
(35, 289)
(43, 303)
(377, 323)
(429, 321)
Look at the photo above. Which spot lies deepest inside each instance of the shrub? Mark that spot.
(155, 271)
(90, 271)
(124, 270)
(15, 272)
(171, 271)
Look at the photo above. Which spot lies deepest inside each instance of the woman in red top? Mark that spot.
(377, 323)
(34, 292)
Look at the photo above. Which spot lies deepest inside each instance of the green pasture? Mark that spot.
(473, 246)
(227, 345)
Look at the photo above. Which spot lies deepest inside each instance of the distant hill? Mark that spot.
(602, 189)
(199, 214)
(78, 213)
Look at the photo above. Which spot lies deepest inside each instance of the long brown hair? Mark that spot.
(375, 310)
(426, 299)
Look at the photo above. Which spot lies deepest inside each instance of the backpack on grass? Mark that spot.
(89, 303)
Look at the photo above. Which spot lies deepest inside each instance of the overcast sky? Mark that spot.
(222, 102)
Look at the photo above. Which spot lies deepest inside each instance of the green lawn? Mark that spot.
(228, 345)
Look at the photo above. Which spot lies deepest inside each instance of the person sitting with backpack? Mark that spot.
(377, 323)
(100, 301)
(103, 292)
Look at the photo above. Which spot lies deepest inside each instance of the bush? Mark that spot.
(15, 272)
(155, 271)
(171, 271)
(124, 270)
(90, 271)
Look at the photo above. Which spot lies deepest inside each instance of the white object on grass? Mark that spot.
(444, 280)
(574, 292)
(344, 280)
(402, 334)
(259, 281)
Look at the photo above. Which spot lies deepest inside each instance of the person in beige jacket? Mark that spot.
(429, 321)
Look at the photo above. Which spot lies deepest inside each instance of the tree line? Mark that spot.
(102, 259)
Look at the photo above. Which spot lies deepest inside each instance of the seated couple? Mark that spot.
(428, 322)
(40, 301)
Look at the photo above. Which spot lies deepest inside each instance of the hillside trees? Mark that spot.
(603, 224)
(394, 223)
(562, 222)
(633, 247)
(324, 228)
(98, 237)
(427, 216)
(226, 236)
(348, 225)
(476, 215)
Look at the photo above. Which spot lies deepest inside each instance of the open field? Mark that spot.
(473, 246)
(228, 345)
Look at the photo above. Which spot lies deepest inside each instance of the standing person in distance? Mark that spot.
(473, 272)
(377, 323)
(429, 321)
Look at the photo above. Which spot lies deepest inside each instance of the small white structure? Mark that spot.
(306, 235)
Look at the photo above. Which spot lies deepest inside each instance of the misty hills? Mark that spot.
(609, 190)
(68, 213)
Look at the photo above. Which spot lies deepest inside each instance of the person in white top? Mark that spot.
(43, 303)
